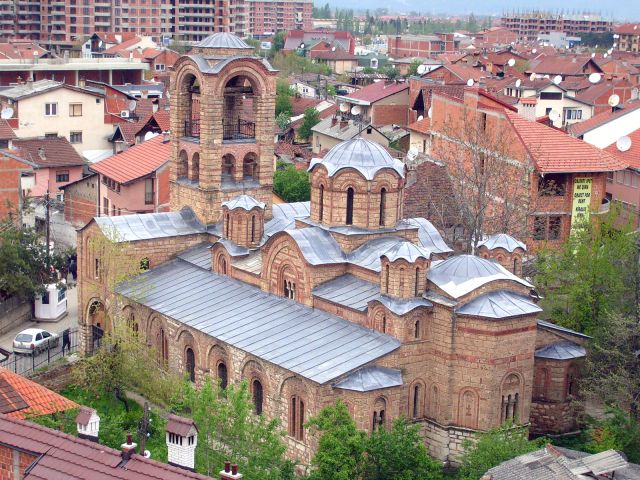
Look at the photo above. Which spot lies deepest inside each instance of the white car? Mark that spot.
(34, 340)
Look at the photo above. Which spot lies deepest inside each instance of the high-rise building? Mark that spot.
(270, 16)
(529, 25)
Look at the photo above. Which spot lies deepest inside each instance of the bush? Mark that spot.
(291, 184)
(311, 119)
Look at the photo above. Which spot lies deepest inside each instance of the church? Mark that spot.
(339, 297)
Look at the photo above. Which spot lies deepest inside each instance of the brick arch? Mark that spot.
(252, 70)
(379, 408)
(468, 406)
(96, 313)
(417, 406)
(252, 370)
(251, 165)
(194, 168)
(349, 177)
(217, 355)
(182, 167)
(129, 316)
(379, 318)
(282, 247)
(541, 383)
(184, 338)
(511, 392)
(220, 259)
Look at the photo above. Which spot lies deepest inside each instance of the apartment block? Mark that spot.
(267, 16)
(529, 25)
(628, 39)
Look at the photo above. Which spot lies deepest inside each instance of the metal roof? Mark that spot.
(303, 340)
(365, 156)
(552, 326)
(205, 67)
(400, 306)
(370, 378)
(291, 210)
(29, 88)
(499, 304)
(200, 255)
(245, 202)
(502, 240)
(233, 249)
(406, 250)
(317, 245)
(147, 226)
(598, 463)
(564, 350)
(223, 40)
(429, 236)
(461, 274)
(348, 290)
(368, 255)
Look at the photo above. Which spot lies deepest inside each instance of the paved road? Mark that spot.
(71, 320)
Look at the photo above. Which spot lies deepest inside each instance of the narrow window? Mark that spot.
(297, 417)
(417, 287)
(257, 396)
(416, 329)
(253, 228)
(321, 206)
(383, 199)
(222, 375)
(386, 279)
(286, 289)
(401, 281)
(384, 324)
(97, 268)
(416, 400)
(515, 266)
(515, 407)
(190, 362)
(227, 228)
(350, 206)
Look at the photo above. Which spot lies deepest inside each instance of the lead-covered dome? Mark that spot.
(223, 40)
(365, 156)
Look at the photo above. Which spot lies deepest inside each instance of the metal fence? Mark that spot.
(27, 364)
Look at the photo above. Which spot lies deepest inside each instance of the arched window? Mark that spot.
(296, 418)
(572, 387)
(253, 228)
(131, 320)
(162, 344)
(416, 329)
(401, 281)
(516, 265)
(468, 415)
(350, 206)
(417, 287)
(249, 167)
(379, 412)
(415, 407)
(256, 388)
(183, 166)
(190, 364)
(223, 377)
(195, 168)
(321, 203)
(228, 166)
(223, 265)
(384, 324)
(386, 279)
(383, 201)
(510, 398)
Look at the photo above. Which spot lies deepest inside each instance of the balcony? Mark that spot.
(192, 128)
(237, 132)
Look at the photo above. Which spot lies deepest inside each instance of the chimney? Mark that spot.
(88, 424)
(334, 120)
(166, 136)
(41, 153)
(182, 439)
(230, 472)
(82, 82)
(343, 123)
(30, 82)
(128, 448)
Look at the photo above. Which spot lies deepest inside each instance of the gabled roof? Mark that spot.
(136, 162)
(463, 72)
(499, 304)
(21, 50)
(30, 89)
(6, 132)
(554, 151)
(126, 44)
(563, 350)
(47, 151)
(631, 156)
(579, 129)
(22, 398)
(627, 29)
(370, 378)
(59, 455)
(376, 92)
(421, 126)
(562, 65)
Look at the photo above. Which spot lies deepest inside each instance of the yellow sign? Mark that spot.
(581, 202)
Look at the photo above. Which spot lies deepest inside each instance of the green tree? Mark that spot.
(228, 429)
(283, 105)
(618, 430)
(310, 119)
(399, 453)
(413, 68)
(277, 43)
(283, 120)
(494, 447)
(331, 90)
(390, 72)
(341, 447)
(291, 184)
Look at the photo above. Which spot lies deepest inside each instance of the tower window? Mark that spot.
(350, 206)
(296, 418)
(383, 199)
(321, 202)
(253, 228)
(417, 288)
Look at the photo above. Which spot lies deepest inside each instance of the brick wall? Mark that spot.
(13, 463)
(80, 201)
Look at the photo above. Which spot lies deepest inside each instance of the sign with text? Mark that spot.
(581, 201)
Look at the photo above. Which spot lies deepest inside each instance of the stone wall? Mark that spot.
(13, 312)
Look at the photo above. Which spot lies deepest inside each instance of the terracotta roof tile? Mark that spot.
(56, 151)
(136, 162)
(21, 50)
(561, 65)
(554, 151)
(421, 126)
(6, 132)
(377, 91)
(24, 397)
(163, 120)
(84, 415)
(628, 29)
(129, 130)
(631, 156)
(124, 45)
(300, 104)
(578, 129)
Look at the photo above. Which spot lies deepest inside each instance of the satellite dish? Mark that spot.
(470, 82)
(412, 154)
(422, 69)
(554, 115)
(635, 27)
(344, 107)
(132, 105)
(150, 135)
(593, 55)
(518, 83)
(511, 62)
(615, 35)
(605, 55)
(7, 112)
(535, 50)
(614, 100)
(302, 45)
(430, 112)
(355, 110)
(623, 143)
(547, 76)
(420, 117)
(557, 80)
(594, 77)
(100, 43)
(333, 49)
(614, 45)
(532, 77)
(610, 51)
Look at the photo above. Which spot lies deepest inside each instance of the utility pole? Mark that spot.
(47, 207)
(143, 426)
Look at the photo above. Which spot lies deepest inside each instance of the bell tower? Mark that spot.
(222, 125)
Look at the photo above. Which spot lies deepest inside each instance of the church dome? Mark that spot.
(406, 250)
(246, 202)
(502, 240)
(365, 156)
(223, 40)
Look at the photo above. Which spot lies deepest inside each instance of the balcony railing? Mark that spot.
(240, 130)
(192, 128)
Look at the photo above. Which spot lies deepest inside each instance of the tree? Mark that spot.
(399, 453)
(283, 105)
(277, 43)
(310, 119)
(228, 428)
(494, 447)
(390, 72)
(291, 184)
(618, 430)
(283, 120)
(413, 68)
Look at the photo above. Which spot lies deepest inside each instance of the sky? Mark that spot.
(621, 10)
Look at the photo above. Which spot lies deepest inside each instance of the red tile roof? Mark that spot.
(602, 89)
(561, 65)
(47, 152)
(138, 161)
(129, 130)
(631, 156)
(377, 91)
(464, 72)
(421, 126)
(115, 37)
(124, 45)
(578, 129)
(628, 29)
(300, 104)
(21, 50)
(6, 132)
(59, 456)
(21, 397)
(554, 151)
(163, 119)
(338, 54)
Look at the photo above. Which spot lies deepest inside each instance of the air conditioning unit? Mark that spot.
(124, 114)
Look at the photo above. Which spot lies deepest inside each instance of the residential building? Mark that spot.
(496, 36)
(267, 16)
(12, 196)
(455, 74)
(54, 161)
(335, 129)
(529, 25)
(420, 136)
(340, 297)
(338, 61)
(54, 109)
(319, 39)
(628, 37)
(136, 180)
(421, 45)
(381, 103)
(559, 40)
(81, 200)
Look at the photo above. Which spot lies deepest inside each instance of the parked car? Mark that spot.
(34, 340)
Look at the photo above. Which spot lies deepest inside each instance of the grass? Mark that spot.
(115, 421)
